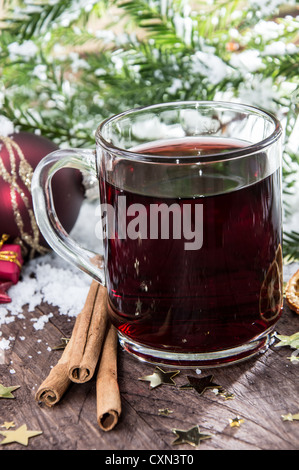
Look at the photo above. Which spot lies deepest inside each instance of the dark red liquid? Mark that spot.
(219, 296)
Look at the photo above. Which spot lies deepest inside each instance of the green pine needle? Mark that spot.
(291, 246)
(66, 65)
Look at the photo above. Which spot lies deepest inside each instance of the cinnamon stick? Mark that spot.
(93, 337)
(79, 359)
(55, 385)
(107, 390)
(88, 335)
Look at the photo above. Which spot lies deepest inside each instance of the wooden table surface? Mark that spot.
(264, 388)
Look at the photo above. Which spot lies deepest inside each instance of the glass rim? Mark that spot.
(216, 157)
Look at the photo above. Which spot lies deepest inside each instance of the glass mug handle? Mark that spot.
(46, 217)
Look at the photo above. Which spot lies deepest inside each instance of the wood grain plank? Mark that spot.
(265, 387)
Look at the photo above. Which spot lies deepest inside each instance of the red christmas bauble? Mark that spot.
(19, 155)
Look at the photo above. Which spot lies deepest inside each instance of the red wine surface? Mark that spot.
(219, 296)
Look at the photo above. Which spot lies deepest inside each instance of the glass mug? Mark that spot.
(190, 198)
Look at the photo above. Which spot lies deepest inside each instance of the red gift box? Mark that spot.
(11, 261)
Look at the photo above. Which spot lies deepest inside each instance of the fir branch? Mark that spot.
(168, 52)
(282, 65)
(37, 17)
(291, 246)
(159, 24)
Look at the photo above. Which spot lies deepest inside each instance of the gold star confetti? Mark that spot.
(192, 436)
(290, 417)
(200, 384)
(185, 387)
(236, 422)
(292, 340)
(164, 412)
(20, 435)
(228, 396)
(294, 358)
(62, 344)
(5, 392)
(8, 424)
(223, 393)
(160, 377)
